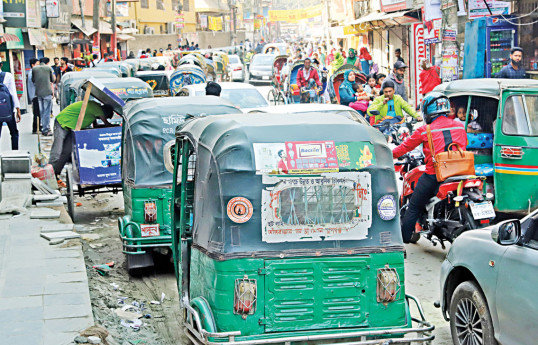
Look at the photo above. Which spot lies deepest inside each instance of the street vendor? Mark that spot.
(65, 123)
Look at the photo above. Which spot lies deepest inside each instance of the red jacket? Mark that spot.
(302, 82)
(444, 132)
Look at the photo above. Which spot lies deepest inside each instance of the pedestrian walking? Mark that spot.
(513, 70)
(43, 76)
(9, 103)
(398, 54)
(33, 98)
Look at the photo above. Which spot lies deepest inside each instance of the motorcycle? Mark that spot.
(458, 206)
(395, 133)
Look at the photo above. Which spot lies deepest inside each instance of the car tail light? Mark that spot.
(245, 296)
(150, 211)
(511, 152)
(484, 221)
(237, 69)
(388, 285)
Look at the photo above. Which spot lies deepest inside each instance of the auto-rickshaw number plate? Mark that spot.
(149, 230)
(482, 210)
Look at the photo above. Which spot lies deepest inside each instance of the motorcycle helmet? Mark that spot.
(433, 105)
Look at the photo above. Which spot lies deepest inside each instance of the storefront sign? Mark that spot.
(420, 54)
(432, 10)
(15, 13)
(293, 16)
(432, 32)
(215, 23)
(33, 14)
(393, 5)
(15, 45)
(203, 21)
(63, 21)
(122, 9)
(477, 8)
(53, 8)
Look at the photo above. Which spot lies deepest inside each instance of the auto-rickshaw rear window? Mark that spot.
(520, 115)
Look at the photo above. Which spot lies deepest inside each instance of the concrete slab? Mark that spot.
(20, 302)
(66, 311)
(14, 201)
(12, 187)
(14, 176)
(24, 339)
(64, 338)
(56, 227)
(58, 288)
(22, 314)
(45, 197)
(49, 203)
(22, 291)
(71, 277)
(44, 213)
(59, 235)
(66, 299)
(68, 325)
(22, 328)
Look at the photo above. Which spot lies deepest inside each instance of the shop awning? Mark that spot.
(8, 38)
(87, 29)
(122, 37)
(382, 19)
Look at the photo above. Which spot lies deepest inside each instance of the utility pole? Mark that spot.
(82, 14)
(96, 14)
(327, 18)
(113, 24)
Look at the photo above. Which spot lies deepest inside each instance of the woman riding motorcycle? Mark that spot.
(445, 131)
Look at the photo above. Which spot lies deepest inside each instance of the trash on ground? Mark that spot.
(127, 314)
(155, 302)
(102, 269)
(80, 339)
(90, 237)
(78, 204)
(96, 331)
(94, 340)
(134, 324)
(162, 297)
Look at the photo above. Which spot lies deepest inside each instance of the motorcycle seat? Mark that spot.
(460, 178)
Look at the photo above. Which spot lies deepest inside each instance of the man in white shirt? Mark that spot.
(7, 116)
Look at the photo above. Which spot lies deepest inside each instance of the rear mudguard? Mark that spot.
(206, 315)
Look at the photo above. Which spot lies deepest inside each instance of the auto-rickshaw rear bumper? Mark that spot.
(138, 245)
(423, 334)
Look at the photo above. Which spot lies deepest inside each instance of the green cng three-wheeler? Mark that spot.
(501, 119)
(286, 231)
(148, 127)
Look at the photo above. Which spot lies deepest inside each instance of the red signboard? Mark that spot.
(420, 54)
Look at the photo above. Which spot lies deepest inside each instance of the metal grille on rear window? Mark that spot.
(317, 205)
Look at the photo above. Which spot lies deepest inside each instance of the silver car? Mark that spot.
(261, 67)
(235, 68)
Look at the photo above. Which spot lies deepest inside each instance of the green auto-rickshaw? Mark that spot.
(126, 69)
(69, 92)
(148, 127)
(286, 231)
(501, 119)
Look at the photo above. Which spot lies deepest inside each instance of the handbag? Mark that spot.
(452, 162)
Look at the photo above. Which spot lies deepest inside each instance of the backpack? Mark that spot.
(6, 103)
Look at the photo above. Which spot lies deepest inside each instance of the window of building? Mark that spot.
(160, 5)
(144, 4)
(186, 5)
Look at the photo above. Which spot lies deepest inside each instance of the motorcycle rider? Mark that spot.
(445, 131)
(307, 78)
(397, 76)
(390, 107)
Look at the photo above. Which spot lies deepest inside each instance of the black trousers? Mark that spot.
(35, 111)
(12, 125)
(425, 189)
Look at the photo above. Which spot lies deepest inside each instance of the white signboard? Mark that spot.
(330, 206)
(53, 8)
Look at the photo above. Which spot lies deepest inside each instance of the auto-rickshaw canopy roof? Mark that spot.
(128, 88)
(486, 87)
(226, 169)
(150, 123)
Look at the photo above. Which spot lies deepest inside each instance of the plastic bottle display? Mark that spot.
(500, 44)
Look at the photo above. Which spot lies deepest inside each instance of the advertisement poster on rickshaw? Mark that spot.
(331, 206)
(98, 155)
(312, 157)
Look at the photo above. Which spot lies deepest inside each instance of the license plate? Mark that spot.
(265, 77)
(149, 230)
(482, 210)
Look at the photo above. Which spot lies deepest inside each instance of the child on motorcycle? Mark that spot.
(444, 131)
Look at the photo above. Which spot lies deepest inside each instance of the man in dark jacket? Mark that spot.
(397, 76)
(42, 77)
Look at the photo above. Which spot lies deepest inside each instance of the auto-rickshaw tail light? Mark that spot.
(511, 152)
(388, 285)
(245, 296)
(150, 211)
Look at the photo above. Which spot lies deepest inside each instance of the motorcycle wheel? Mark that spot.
(466, 218)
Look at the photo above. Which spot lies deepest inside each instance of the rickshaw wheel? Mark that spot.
(271, 97)
(280, 99)
(70, 194)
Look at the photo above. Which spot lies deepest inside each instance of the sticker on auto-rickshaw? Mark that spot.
(239, 209)
(149, 230)
(330, 206)
(311, 157)
(127, 91)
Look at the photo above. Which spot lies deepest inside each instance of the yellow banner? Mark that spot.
(214, 23)
(293, 16)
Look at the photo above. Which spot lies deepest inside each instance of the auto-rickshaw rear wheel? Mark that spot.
(70, 194)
